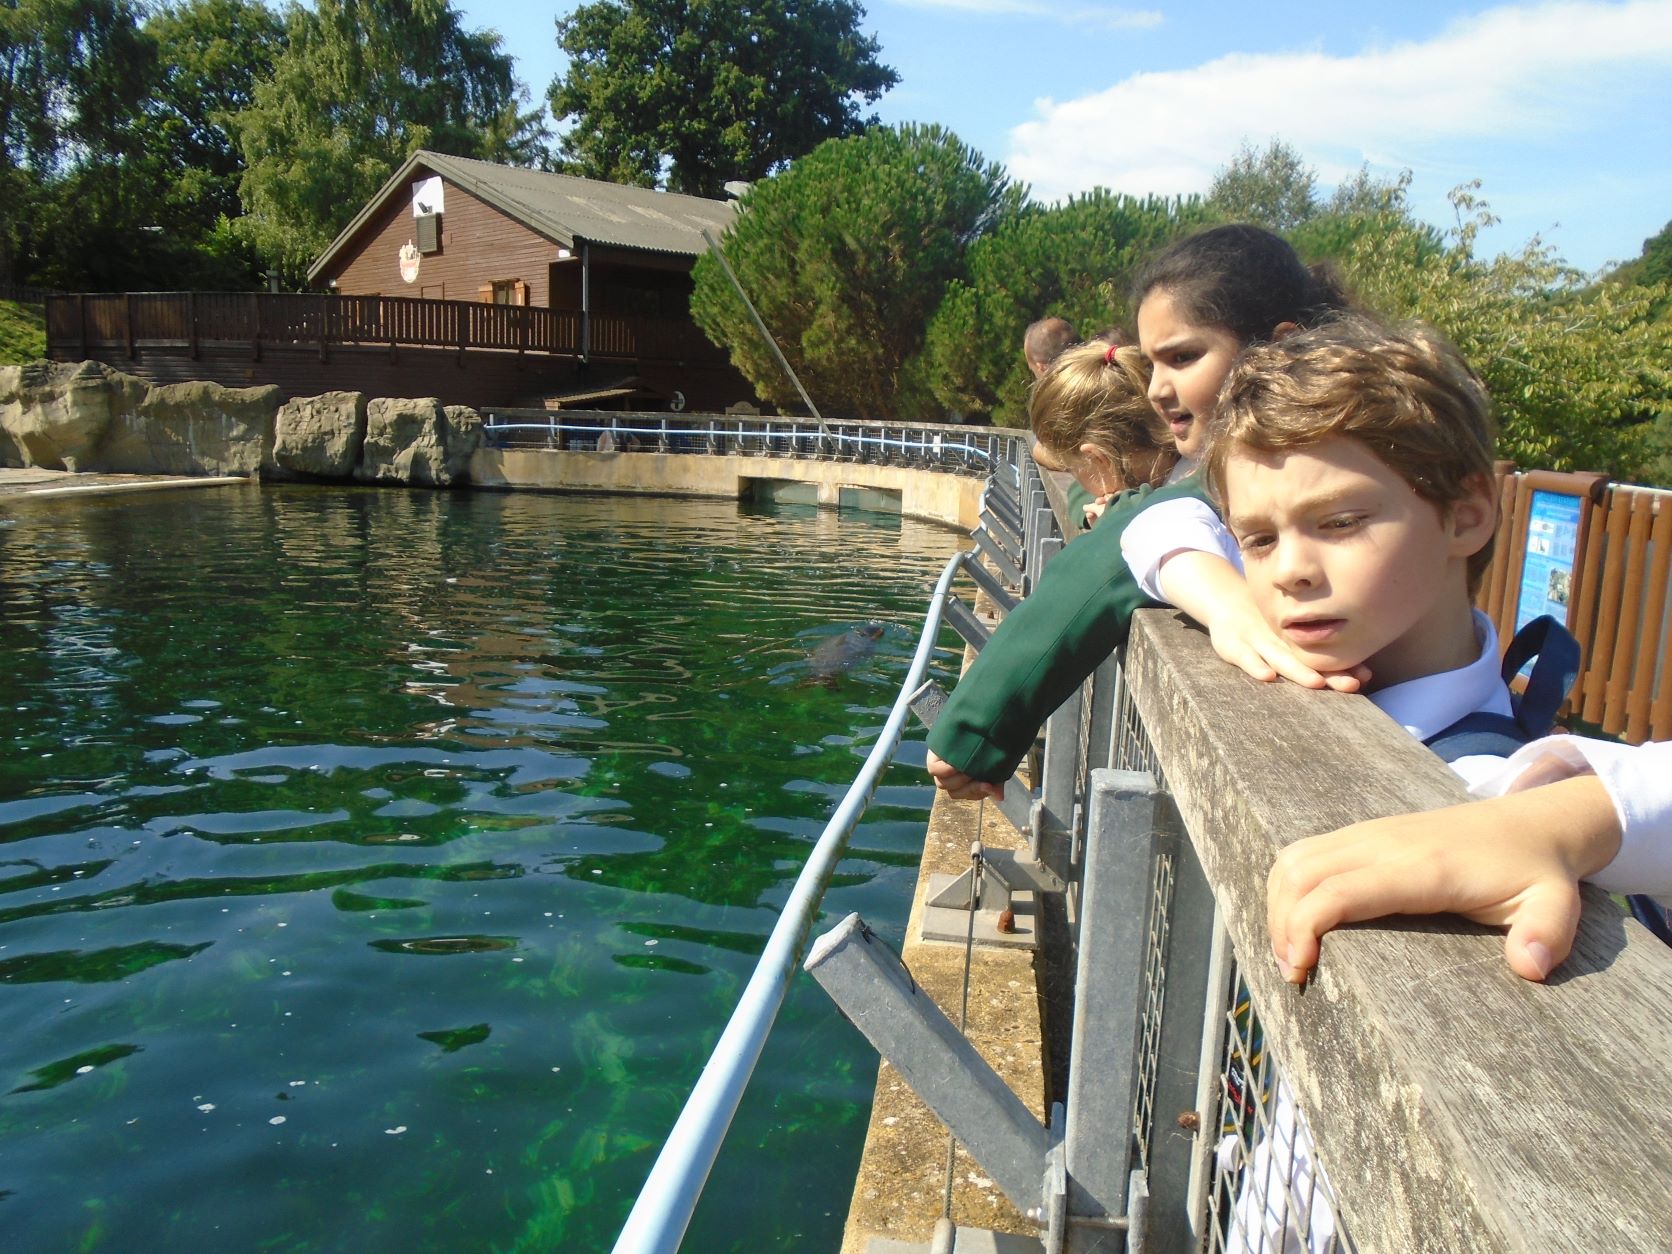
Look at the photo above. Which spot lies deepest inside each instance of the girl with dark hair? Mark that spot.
(1202, 300)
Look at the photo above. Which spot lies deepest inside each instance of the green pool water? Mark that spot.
(378, 868)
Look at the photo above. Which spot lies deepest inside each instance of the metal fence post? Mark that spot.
(1178, 1134)
(1121, 847)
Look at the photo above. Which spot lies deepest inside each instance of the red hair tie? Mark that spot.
(1109, 357)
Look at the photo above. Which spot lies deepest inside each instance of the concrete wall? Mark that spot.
(947, 498)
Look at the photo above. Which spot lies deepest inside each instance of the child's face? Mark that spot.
(1349, 565)
(1188, 362)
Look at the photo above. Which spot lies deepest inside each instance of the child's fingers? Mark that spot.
(1243, 655)
(1542, 929)
(1351, 897)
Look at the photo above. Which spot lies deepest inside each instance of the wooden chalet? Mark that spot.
(478, 283)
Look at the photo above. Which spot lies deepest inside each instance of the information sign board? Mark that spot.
(1552, 552)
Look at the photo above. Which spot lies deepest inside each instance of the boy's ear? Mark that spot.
(1474, 517)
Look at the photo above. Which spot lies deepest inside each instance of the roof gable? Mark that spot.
(563, 208)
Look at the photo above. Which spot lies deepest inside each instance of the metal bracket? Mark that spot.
(1002, 883)
(974, 632)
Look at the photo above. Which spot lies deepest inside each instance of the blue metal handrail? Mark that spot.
(669, 1196)
(927, 445)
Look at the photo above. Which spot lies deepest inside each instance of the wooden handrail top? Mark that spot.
(1455, 1105)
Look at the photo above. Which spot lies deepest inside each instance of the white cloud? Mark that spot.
(1094, 15)
(1509, 72)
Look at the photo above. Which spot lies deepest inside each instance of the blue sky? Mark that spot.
(1563, 110)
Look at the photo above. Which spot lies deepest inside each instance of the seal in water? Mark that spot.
(838, 654)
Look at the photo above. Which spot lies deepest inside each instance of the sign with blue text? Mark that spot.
(1552, 552)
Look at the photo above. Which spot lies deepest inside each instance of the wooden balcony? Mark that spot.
(101, 324)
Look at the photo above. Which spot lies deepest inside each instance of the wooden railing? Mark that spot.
(1620, 601)
(1454, 1106)
(79, 324)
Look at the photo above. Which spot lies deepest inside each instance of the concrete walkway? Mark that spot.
(33, 482)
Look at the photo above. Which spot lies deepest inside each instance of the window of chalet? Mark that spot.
(504, 292)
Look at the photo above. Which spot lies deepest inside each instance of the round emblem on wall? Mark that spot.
(409, 262)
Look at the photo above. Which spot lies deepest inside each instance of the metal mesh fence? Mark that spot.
(1266, 1191)
(1268, 1194)
(1132, 751)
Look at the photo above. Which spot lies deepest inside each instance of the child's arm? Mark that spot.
(1512, 861)
(1567, 809)
(1181, 553)
(1214, 593)
(1077, 614)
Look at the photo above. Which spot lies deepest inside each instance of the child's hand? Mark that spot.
(1512, 861)
(954, 783)
(1213, 592)
(1094, 509)
(1244, 639)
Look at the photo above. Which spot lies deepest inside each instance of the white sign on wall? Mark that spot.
(427, 196)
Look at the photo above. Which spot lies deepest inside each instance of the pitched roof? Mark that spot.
(563, 208)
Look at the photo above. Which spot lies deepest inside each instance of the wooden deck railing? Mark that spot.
(82, 323)
(1620, 600)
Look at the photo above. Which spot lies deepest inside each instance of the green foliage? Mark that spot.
(1073, 261)
(1275, 189)
(1652, 265)
(72, 73)
(22, 333)
(847, 255)
(705, 91)
(215, 52)
(1578, 373)
(360, 86)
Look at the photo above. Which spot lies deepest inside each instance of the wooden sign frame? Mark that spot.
(1553, 522)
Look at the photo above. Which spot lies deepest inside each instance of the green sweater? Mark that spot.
(1077, 614)
(1078, 499)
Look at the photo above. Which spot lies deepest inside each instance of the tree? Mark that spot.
(846, 255)
(72, 73)
(214, 52)
(1275, 189)
(1074, 261)
(692, 93)
(1577, 372)
(360, 86)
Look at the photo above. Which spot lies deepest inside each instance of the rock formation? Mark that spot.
(87, 416)
(55, 414)
(462, 436)
(405, 443)
(320, 436)
(197, 428)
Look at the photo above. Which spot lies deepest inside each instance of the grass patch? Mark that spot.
(22, 333)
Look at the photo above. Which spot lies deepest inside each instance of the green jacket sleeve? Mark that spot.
(1077, 614)
(1078, 499)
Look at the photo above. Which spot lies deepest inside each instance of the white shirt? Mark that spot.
(1168, 527)
(1427, 706)
(1638, 779)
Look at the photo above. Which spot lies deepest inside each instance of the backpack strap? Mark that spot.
(1478, 735)
(1555, 657)
(1652, 915)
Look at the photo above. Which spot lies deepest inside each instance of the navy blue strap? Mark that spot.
(1478, 735)
(1554, 673)
(1652, 915)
